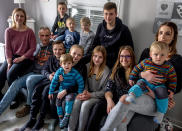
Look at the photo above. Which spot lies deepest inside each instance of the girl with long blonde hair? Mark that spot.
(98, 74)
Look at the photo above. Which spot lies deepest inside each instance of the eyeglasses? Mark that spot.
(125, 56)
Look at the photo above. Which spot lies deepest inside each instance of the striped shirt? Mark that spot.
(166, 70)
(69, 80)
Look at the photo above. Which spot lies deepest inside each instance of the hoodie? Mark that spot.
(113, 39)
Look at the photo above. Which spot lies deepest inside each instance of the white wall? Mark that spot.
(43, 11)
(6, 7)
(139, 15)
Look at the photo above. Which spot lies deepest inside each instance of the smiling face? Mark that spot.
(19, 18)
(67, 66)
(44, 36)
(98, 58)
(85, 27)
(165, 34)
(77, 54)
(110, 16)
(158, 56)
(125, 59)
(58, 50)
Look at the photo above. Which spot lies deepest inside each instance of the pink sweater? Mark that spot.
(20, 43)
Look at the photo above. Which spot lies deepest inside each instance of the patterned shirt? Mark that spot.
(166, 70)
(70, 79)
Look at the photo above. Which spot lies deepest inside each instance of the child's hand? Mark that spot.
(50, 96)
(131, 82)
(85, 92)
(54, 37)
(61, 94)
(61, 78)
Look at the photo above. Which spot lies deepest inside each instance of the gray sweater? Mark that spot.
(97, 88)
(86, 40)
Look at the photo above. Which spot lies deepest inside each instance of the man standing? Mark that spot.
(112, 33)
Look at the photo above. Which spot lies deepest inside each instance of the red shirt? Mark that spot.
(20, 43)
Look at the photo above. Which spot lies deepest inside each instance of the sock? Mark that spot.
(130, 98)
(158, 119)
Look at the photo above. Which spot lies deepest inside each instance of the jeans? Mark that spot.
(31, 81)
(14, 89)
(12, 92)
(16, 70)
(61, 37)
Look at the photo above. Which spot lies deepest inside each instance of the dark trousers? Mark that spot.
(97, 116)
(40, 101)
(16, 70)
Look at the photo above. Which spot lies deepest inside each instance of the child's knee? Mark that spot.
(161, 92)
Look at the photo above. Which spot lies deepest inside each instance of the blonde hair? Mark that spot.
(102, 66)
(70, 19)
(117, 65)
(66, 58)
(85, 20)
(78, 47)
(17, 10)
(157, 45)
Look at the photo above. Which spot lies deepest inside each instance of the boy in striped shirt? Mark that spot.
(68, 78)
(157, 62)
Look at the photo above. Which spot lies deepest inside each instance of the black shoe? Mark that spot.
(52, 125)
(30, 123)
(38, 125)
(14, 105)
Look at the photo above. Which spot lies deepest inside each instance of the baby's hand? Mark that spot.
(131, 82)
(50, 96)
(54, 37)
(61, 78)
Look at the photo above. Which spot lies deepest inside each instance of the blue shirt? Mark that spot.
(69, 80)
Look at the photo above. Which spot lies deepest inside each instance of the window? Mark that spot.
(95, 16)
(90, 8)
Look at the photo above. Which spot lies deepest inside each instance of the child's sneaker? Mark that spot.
(64, 122)
(158, 119)
(130, 98)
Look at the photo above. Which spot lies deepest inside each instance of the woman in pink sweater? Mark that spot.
(20, 44)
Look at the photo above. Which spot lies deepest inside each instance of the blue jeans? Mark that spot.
(16, 70)
(31, 81)
(61, 37)
(13, 91)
